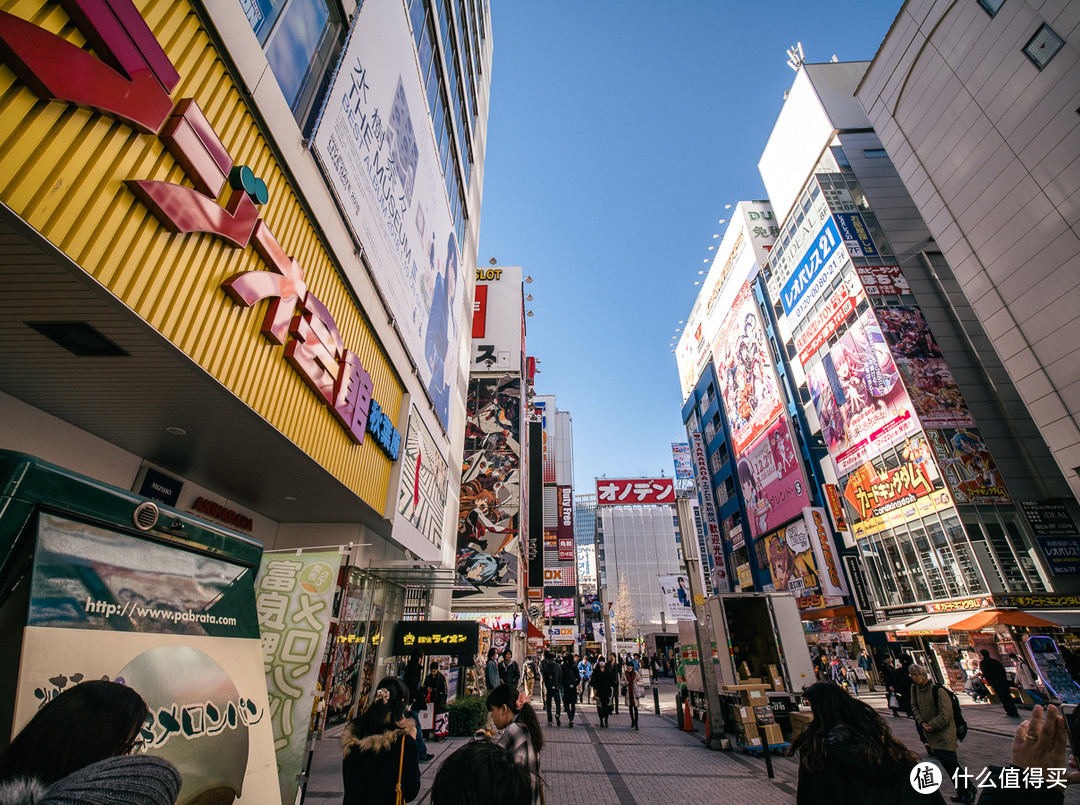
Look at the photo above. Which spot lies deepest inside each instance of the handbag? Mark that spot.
(894, 701)
(399, 798)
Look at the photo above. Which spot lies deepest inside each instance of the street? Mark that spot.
(659, 763)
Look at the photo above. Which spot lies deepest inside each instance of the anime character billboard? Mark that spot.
(744, 366)
(772, 480)
(860, 401)
(488, 535)
(791, 560)
(968, 467)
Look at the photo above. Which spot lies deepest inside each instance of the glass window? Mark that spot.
(875, 153)
(294, 43)
(991, 7)
(1042, 47)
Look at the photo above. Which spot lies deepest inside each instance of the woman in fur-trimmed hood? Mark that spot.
(379, 748)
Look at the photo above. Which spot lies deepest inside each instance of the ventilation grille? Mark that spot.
(146, 516)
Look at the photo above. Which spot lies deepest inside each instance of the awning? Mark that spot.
(1006, 617)
(931, 624)
(430, 578)
(892, 626)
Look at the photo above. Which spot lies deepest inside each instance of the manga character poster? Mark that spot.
(930, 383)
(860, 401)
(179, 627)
(969, 469)
(772, 480)
(744, 367)
(422, 494)
(488, 537)
(791, 560)
(676, 594)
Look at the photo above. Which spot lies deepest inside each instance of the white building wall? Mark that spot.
(639, 543)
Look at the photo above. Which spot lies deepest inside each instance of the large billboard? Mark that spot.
(744, 367)
(634, 491)
(791, 560)
(179, 627)
(772, 479)
(684, 465)
(498, 332)
(377, 148)
(860, 401)
(969, 469)
(488, 535)
(422, 493)
(930, 383)
(814, 273)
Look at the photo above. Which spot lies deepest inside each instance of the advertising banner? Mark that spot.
(424, 476)
(1048, 518)
(1062, 554)
(814, 273)
(455, 637)
(939, 500)
(883, 280)
(562, 634)
(180, 628)
(559, 577)
(836, 506)
(545, 407)
(828, 563)
(968, 467)
(853, 232)
(295, 598)
(840, 305)
(497, 316)
(859, 398)
(713, 535)
(676, 597)
(558, 607)
(872, 493)
(791, 560)
(634, 491)
(376, 145)
(744, 367)
(931, 387)
(772, 479)
(488, 543)
(680, 455)
(566, 523)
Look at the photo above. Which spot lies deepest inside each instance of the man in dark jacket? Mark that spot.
(551, 675)
(994, 674)
(416, 700)
(570, 681)
(602, 683)
(510, 671)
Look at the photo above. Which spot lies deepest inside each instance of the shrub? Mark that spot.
(467, 715)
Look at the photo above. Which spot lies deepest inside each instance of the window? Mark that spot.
(991, 7)
(1042, 47)
(875, 153)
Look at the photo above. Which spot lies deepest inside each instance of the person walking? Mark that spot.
(551, 676)
(511, 671)
(603, 683)
(902, 682)
(932, 708)
(1027, 679)
(994, 674)
(417, 700)
(529, 675)
(492, 677)
(570, 681)
(435, 692)
(584, 671)
(867, 666)
(847, 754)
(379, 750)
(519, 731)
(616, 667)
(632, 680)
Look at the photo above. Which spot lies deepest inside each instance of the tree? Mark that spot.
(623, 617)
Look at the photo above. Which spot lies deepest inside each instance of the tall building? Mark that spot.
(585, 540)
(929, 449)
(237, 267)
(976, 104)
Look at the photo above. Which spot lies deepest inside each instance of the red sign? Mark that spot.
(479, 321)
(836, 310)
(566, 549)
(630, 491)
(883, 280)
(836, 506)
(133, 81)
(874, 495)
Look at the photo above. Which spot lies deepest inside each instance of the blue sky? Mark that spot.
(616, 135)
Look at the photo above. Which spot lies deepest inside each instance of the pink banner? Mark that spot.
(772, 480)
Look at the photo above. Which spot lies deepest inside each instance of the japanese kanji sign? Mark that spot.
(437, 637)
(631, 491)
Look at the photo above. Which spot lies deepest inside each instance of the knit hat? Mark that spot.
(124, 780)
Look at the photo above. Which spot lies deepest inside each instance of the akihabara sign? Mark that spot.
(566, 523)
(138, 93)
(634, 491)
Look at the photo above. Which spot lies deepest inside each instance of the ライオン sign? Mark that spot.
(87, 131)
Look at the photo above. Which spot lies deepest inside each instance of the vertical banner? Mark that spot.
(721, 581)
(772, 479)
(829, 573)
(676, 595)
(294, 596)
(684, 464)
(424, 476)
(177, 626)
(566, 523)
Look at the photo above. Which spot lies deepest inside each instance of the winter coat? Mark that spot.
(931, 704)
(121, 780)
(516, 740)
(994, 673)
(510, 673)
(435, 690)
(370, 763)
(492, 677)
(570, 681)
(602, 682)
(846, 780)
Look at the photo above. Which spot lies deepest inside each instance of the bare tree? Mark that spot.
(623, 617)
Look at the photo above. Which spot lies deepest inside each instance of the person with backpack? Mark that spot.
(1028, 679)
(937, 712)
(551, 676)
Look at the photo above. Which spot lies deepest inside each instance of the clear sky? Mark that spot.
(617, 133)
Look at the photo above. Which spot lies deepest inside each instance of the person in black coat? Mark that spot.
(994, 674)
(571, 678)
(379, 748)
(602, 683)
(902, 683)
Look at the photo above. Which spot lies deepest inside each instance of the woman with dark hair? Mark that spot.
(481, 773)
(92, 721)
(632, 683)
(519, 731)
(849, 756)
(379, 749)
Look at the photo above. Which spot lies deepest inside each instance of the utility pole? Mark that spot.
(697, 598)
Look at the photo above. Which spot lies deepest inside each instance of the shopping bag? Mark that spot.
(427, 718)
(894, 701)
(442, 725)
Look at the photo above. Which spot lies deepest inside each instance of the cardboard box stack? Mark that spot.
(750, 713)
(775, 678)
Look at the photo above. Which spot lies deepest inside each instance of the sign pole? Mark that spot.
(714, 737)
